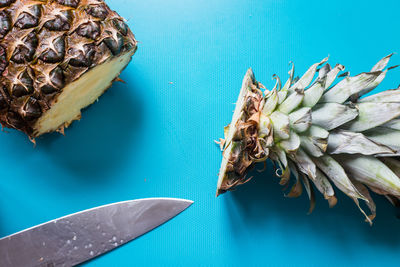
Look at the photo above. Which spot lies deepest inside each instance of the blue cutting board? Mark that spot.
(153, 137)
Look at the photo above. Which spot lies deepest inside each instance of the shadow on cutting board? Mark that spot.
(100, 142)
(262, 199)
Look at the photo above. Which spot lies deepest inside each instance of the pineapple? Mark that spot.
(56, 58)
(322, 133)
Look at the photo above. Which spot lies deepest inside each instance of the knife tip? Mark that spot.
(188, 202)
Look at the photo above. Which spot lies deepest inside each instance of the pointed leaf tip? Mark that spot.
(336, 173)
(307, 78)
(382, 63)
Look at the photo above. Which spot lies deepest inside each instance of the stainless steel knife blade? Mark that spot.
(79, 237)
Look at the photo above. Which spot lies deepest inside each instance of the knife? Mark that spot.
(79, 237)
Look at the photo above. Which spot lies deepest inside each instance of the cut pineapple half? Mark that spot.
(58, 61)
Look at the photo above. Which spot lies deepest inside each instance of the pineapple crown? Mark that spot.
(318, 131)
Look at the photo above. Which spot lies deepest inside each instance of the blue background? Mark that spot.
(153, 137)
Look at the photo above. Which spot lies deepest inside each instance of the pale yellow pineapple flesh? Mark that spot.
(80, 94)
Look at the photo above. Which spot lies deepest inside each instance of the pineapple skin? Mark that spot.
(47, 45)
(319, 132)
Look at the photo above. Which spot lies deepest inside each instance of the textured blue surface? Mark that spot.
(153, 137)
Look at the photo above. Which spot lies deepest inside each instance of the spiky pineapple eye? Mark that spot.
(31, 110)
(25, 85)
(57, 77)
(25, 52)
(48, 89)
(56, 52)
(60, 22)
(97, 11)
(28, 20)
(54, 82)
(121, 26)
(115, 45)
(89, 30)
(82, 58)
